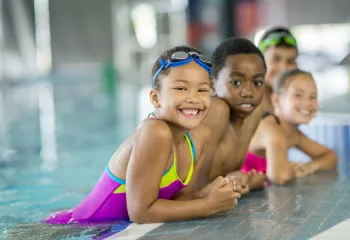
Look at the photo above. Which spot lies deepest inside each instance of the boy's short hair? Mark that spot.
(233, 46)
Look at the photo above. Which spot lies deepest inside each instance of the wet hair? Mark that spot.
(164, 57)
(277, 30)
(231, 47)
(284, 79)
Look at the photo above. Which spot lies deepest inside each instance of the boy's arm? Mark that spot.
(242, 180)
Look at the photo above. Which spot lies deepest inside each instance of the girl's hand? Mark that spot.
(303, 169)
(222, 195)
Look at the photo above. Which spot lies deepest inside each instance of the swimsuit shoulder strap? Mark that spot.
(266, 114)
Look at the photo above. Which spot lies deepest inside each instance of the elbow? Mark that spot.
(140, 216)
(136, 216)
(334, 159)
(137, 219)
(327, 161)
(144, 216)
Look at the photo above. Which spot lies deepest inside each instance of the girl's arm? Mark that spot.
(279, 169)
(323, 158)
(148, 161)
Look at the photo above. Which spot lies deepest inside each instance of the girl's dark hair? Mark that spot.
(284, 79)
(164, 57)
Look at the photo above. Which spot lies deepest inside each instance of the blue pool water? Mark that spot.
(55, 140)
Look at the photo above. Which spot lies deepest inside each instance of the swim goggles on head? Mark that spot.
(181, 58)
(276, 38)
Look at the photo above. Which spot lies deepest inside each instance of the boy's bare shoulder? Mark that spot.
(219, 106)
(201, 134)
(256, 116)
(219, 112)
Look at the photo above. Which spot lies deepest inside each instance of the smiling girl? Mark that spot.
(295, 102)
(159, 158)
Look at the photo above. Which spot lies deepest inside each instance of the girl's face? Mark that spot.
(279, 59)
(184, 96)
(298, 103)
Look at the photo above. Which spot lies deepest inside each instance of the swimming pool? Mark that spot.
(55, 140)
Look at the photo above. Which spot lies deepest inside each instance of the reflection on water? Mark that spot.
(47, 126)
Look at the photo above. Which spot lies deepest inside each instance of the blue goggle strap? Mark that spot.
(169, 64)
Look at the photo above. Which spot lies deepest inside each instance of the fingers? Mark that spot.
(245, 180)
(234, 182)
(230, 186)
(220, 182)
(251, 172)
(237, 195)
(245, 190)
(300, 173)
(237, 188)
(233, 177)
(234, 203)
(295, 164)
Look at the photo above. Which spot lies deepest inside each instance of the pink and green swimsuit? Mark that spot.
(107, 200)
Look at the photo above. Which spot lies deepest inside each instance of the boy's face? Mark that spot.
(240, 83)
(279, 59)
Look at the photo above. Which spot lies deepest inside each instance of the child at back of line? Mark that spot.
(280, 51)
(159, 158)
(294, 100)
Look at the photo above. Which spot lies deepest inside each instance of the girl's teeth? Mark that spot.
(305, 112)
(190, 111)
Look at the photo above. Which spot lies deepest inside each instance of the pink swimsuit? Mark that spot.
(253, 161)
(107, 200)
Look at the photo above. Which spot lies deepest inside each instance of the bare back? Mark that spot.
(266, 127)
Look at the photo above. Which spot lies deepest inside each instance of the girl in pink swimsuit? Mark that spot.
(295, 102)
(159, 158)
